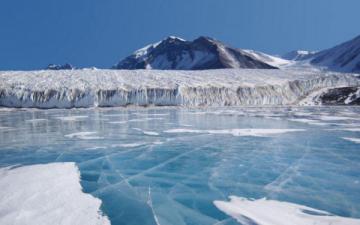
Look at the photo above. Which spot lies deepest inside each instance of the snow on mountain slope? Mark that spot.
(344, 57)
(269, 59)
(225, 87)
(298, 55)
(178, 54)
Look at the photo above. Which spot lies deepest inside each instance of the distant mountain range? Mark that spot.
(174, 53)
(298, 55)
(343, 58)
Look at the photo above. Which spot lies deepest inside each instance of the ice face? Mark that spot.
(225, 87)
(168, 165)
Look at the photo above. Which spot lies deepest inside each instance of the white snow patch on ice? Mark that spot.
(83, 135)
(47, 194)
(335, 118)
(71, 118)
(308, 121)
(145, 119)
(355, 140)
(150, 133)
(357, 129)
(151, 114)
(272, 212)
(97, 147)
(130, 145)
(118, 122)
(180, 130)
(237, 132)
(114, 115)
(185, 125)
(36, 120)
(137, 144)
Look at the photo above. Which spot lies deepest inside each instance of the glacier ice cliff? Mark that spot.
(225, 87)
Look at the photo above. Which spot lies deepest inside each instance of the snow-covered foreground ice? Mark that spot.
(270, 212)
(226, 87)
(46, 194)
(168, 165)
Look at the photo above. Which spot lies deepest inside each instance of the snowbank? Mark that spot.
(271, 212)
(46, 194)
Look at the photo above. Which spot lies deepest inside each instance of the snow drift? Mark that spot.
(47, 194)
(226, 87)
(272, 212)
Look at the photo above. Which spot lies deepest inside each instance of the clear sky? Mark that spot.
(34, 33)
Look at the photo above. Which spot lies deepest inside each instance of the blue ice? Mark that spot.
(168, 165)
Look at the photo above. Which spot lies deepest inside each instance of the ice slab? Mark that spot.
(47, 194)
(271, 212)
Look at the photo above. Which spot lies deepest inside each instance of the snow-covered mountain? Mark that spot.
(174, 53)
(344, 57)
(298, 55)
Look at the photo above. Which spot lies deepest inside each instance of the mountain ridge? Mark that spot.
(344, 57)
(202, 53)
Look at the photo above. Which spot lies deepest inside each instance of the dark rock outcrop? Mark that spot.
(66, 66)
(341, 96)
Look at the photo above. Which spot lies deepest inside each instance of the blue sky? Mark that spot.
(34, 33)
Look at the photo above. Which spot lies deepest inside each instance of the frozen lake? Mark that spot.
(168, 165)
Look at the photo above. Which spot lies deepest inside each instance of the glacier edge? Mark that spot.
(105, 88)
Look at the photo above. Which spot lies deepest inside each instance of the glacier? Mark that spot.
(223, 87)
